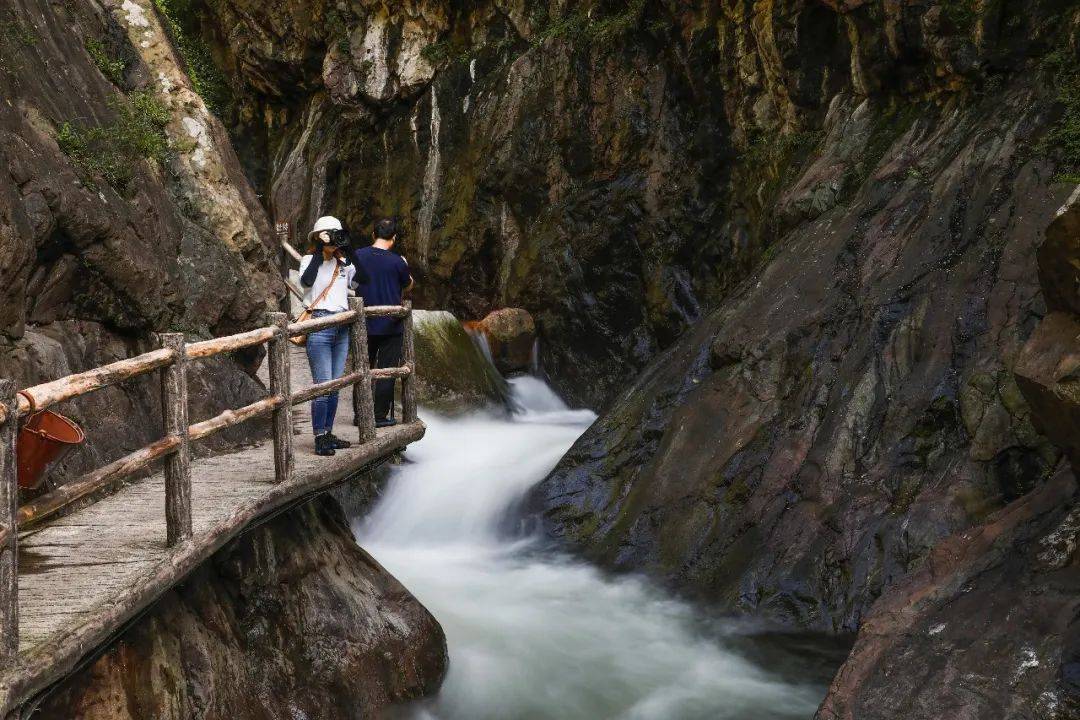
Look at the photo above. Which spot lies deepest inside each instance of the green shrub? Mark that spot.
(111, 67)
(206, 78)
(961, 14)
(111, 151)
(19, 33)
(1063, 140)
(582, 26)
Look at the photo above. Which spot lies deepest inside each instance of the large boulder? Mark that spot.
(452, 374)
(510, 334)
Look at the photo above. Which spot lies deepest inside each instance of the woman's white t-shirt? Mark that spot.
(337, 300)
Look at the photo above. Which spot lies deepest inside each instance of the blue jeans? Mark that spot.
(327, 351)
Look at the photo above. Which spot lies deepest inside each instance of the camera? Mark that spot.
(340, 239)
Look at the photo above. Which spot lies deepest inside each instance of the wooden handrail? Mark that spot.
(40, 397)
(102, 478)
(227, 419)
(327, 321)
(231, 343)
(387, 373)
(324, 388)
(178, 434)
(397, 311)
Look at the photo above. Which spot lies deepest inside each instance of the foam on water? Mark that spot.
(536, 636)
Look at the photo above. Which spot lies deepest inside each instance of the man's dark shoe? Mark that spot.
(385, 422)
(322, 445)
(337, 443)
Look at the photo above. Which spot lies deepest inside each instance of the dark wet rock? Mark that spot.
(292, 620)
(1048, 370)
(853, 403)
(511, 336)
(986, 628)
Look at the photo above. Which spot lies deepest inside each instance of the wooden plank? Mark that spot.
(229, 343)
(42, 396)
(281, 386)
(9, 549)
(408, 382)
(100, 597)
(174, 410)
(362, 399)
(229, 418)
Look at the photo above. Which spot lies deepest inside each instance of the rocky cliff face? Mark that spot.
(123, 211)
(988, 622)
(573, 161)
(853, 403)
(292, 620)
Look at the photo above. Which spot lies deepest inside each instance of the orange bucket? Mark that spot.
(42, 440)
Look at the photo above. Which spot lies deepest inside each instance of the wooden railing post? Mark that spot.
(281, 384)
(174, 405)
(9, 536)
(408, 383)
(363, 404)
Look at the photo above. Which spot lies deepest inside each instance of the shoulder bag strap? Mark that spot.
(326, 290)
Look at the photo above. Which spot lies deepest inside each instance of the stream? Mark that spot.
(536, 635)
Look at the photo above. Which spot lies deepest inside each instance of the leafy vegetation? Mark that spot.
(17, 32)
(1063, 141)
(111, 67)
(582, 26)
(961, 14)
(111, 151)
(208, 81)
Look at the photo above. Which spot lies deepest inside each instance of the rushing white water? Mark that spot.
(534, 636)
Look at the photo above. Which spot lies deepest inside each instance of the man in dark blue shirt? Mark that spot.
(388, 279)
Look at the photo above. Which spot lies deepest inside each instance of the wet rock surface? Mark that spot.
(985, 629)
(988, 623)
(292, 620)
(850, 406)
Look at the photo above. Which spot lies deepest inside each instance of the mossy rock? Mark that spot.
(452, 374)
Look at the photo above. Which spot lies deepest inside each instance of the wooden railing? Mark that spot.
(172, 359)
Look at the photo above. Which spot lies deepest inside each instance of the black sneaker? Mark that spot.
(385, 422)
(337, 443)
(323, 446)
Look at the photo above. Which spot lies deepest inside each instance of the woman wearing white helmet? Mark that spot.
(326, 273)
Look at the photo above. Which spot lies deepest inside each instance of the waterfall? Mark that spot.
(534, 635)
(534, 358)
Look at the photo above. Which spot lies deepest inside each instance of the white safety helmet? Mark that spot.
(326, 222)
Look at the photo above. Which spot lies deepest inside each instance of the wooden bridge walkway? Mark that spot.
(82, 576)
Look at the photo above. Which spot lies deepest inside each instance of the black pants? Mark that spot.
(384, 351)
